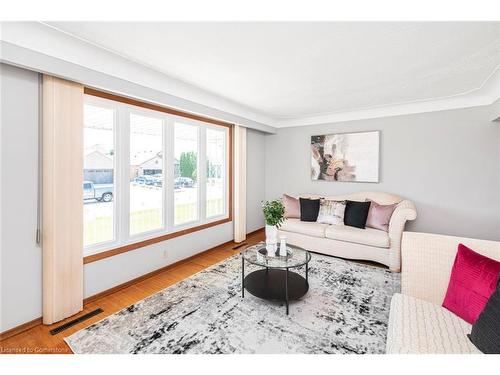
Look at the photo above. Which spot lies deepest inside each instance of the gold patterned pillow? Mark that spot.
(331, 212)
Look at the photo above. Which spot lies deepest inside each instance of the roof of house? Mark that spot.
(97, 160)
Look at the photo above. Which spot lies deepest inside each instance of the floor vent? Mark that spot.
(65, 326)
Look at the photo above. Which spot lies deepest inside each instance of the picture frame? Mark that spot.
(346, 157)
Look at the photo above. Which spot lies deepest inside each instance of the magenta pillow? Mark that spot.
(473, 280)
(292, 207)
(379, 215)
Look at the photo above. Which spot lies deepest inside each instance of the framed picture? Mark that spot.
(352, 157)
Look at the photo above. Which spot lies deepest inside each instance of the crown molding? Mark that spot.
(43, 48)
(487, 94)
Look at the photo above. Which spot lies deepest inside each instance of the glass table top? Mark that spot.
(257, 254)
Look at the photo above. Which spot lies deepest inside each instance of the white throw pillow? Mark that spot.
(331, 212)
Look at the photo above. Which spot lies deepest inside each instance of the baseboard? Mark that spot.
(256, 231)
(35, 322)
(20, 328)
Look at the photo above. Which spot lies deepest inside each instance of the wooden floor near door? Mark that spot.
(39, 340)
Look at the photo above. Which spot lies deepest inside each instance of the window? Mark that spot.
(216, 172)
(98, 175)
(146, 174)
(150, 174)
(186, 181)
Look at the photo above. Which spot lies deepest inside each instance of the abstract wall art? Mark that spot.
(348, 157)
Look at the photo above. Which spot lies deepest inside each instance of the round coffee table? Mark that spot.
(275, 282)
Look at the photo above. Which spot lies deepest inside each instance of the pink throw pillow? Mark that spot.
(379, 215)
(292, 207)
(472, 282)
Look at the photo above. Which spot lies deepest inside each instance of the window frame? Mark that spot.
(123, 107)
(116, 175)
(201, 178)
(126, 180)
(226, 174)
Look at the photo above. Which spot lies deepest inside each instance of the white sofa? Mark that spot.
(355, 243)
(417, 323)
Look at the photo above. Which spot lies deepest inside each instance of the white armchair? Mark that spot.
(428, 260)
(417, 323)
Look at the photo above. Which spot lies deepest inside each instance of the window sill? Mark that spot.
(136, 245)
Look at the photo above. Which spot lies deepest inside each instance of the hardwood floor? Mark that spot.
(38, 340)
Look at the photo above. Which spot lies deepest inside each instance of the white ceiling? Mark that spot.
(297, 70)
(271, 75)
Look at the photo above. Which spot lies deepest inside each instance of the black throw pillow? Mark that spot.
(485, 334)
(356, 213)
(309, 209)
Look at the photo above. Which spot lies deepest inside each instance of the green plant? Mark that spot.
(188, 164)
(273, 212)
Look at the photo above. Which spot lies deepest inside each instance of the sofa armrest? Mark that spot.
(404, 211)
(427, 260)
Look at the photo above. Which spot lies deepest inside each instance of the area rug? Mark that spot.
(345, 311)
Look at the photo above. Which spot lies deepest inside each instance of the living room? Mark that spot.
(283, 187)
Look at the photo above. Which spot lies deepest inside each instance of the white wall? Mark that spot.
(447, 162)
(113, 271)
(21, 259)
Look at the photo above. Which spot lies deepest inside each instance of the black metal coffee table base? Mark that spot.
(276, 285)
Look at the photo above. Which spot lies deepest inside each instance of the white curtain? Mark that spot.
(240, 183)
(62, 194)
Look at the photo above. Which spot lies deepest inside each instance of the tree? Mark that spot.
(188, 164)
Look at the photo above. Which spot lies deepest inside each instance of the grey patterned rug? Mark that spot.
(345, 311)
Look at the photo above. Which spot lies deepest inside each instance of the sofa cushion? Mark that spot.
(292, 206)
(331, 212)
(473, 280)
(485, 332)
(309, 209)
(368, 236)
(313, 229)
(379, 215)
(421, 327)
(356, 213)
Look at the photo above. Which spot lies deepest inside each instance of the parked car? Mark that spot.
(157, 179)
(150, 180)
(99, 192)
(140, 180)
(145, 180)
(184, 182)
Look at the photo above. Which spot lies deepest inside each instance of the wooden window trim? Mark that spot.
(150, 241)
(154, 107)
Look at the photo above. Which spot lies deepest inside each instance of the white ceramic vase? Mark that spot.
(271, 239)
(282, 246)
